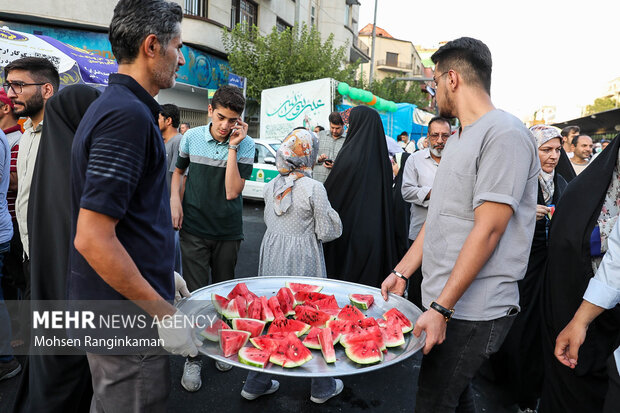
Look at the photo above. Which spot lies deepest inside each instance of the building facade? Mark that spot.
(84, 24)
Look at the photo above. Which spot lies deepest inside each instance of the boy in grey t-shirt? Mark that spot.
(478, 231)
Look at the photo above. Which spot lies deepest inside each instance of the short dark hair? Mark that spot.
(569, 129)
(439, 119)
(576, 139)
(229, 97)
(185, 123)
(171, 111)
(335, 118)
(403, 133)
(41, 70)
(320, 127)
(134, 20)
(470, 57)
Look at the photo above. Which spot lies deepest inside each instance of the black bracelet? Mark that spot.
(399, 275)
(446, 313)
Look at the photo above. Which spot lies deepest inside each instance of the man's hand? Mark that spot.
(178, 338)
(239, 132)
(392, 284)
(434, 324)
(180, 288)
(541, 212)
(176, 209)
(328, 164)
(321, 158)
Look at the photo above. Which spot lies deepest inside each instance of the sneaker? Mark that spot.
(191, 380)
(275, 385)
(9, 369)
(221, 366)
(339, 387)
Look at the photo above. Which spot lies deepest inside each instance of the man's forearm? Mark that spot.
(413, 258)
(232, 181)
(175, 184)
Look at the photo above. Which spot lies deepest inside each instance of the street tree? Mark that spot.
(600, 105)
(396, 90)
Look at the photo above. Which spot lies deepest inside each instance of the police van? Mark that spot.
(264, 168)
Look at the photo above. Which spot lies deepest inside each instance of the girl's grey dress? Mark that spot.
(292, 245)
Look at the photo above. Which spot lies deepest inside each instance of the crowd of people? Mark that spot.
(506, 238)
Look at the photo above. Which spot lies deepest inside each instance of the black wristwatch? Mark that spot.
(447, 314)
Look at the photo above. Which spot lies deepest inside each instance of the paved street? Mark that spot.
(389, 389)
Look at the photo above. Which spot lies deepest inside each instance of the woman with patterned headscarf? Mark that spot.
(518, 364)
(299, 219)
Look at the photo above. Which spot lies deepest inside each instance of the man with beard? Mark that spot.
(418, 179)
(30, 82)
(478, 231)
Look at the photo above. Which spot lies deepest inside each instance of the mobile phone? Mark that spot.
(328, 161)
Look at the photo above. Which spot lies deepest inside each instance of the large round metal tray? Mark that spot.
(200, 304)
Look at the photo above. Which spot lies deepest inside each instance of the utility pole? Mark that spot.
(372, 48)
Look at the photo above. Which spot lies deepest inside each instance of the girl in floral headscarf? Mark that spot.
(299, 218)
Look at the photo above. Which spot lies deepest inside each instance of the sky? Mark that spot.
(545, 52)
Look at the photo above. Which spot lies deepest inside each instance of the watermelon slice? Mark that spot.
(364, 353)
(219, 302)
(311, 316)
(254, 327)
(269, 342)
(392, 333)
(242, 306)
(324, 303)
(327, 345)
(211, 333)
(297, 287)
(349, 312)
(241, 290)
(232, 309)
(254, 357)
(255, 309)
(302, 296)
(286, 300)
(232, 340)
(405, 323)
(266, 314)
(312, 339)
(284, 325)
(341, 327)
(291, 353)
(361, 301)
(363, 335)
(368, 322)
(274, 306)
(332, 311)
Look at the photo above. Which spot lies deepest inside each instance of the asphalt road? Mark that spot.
(390, 389)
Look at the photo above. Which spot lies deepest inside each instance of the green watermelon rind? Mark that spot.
(237, 324)
(216, 303)
(359, 304)
(316, 289)
(349, 351)
(246, 359)
(406, 328)
(213, 337)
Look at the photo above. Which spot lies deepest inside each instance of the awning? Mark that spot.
(598, 124)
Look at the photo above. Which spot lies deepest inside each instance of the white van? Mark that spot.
(264, 168)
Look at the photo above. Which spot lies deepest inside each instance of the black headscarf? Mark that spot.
(49, 206)
(568, 273)
(359, 187)
(402, 212)
(565, 167)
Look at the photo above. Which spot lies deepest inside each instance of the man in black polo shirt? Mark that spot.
(121, 212)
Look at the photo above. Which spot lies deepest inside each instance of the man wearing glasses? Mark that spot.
(30, 82)
(418, 178)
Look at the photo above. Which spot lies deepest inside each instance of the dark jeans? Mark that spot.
(320, 387)
(447, 371)
(200, 254)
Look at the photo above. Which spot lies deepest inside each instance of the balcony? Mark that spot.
(399, 67)
(359, 51)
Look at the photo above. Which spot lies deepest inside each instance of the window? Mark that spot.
(347, 15)
(313, 16)
(391, 59)
(196, 8)
(261, 153)
(243, 11)
(281, 25)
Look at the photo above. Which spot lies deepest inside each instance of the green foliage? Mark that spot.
(600, 105)
(284, 58)
(397, 91)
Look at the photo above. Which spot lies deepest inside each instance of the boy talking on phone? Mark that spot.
(207, 213)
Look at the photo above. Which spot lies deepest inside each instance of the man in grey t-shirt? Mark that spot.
(478, 231)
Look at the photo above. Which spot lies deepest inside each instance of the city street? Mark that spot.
(390, 389)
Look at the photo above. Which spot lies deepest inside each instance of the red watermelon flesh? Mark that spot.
(254, 327)
(219, 302)
(326, 342)
(296, 287)
(361, 301)
(232, 309)
(341, 327)
(274, 306)
(286, 300)
(241, 290)
(332, 311)
(311, 316)
(232, 340)
(211, 333)
(350, 312)
(241, 306)
(405, 323)
(266, 314)
(364, 353)
(368, 322)
(291, 353)
(255, 309)
(312, 339)
(302, 296)
(363, 335)
(392, 334)
(324, 303)
(254, 357)
(268, 342)
(284, 325)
